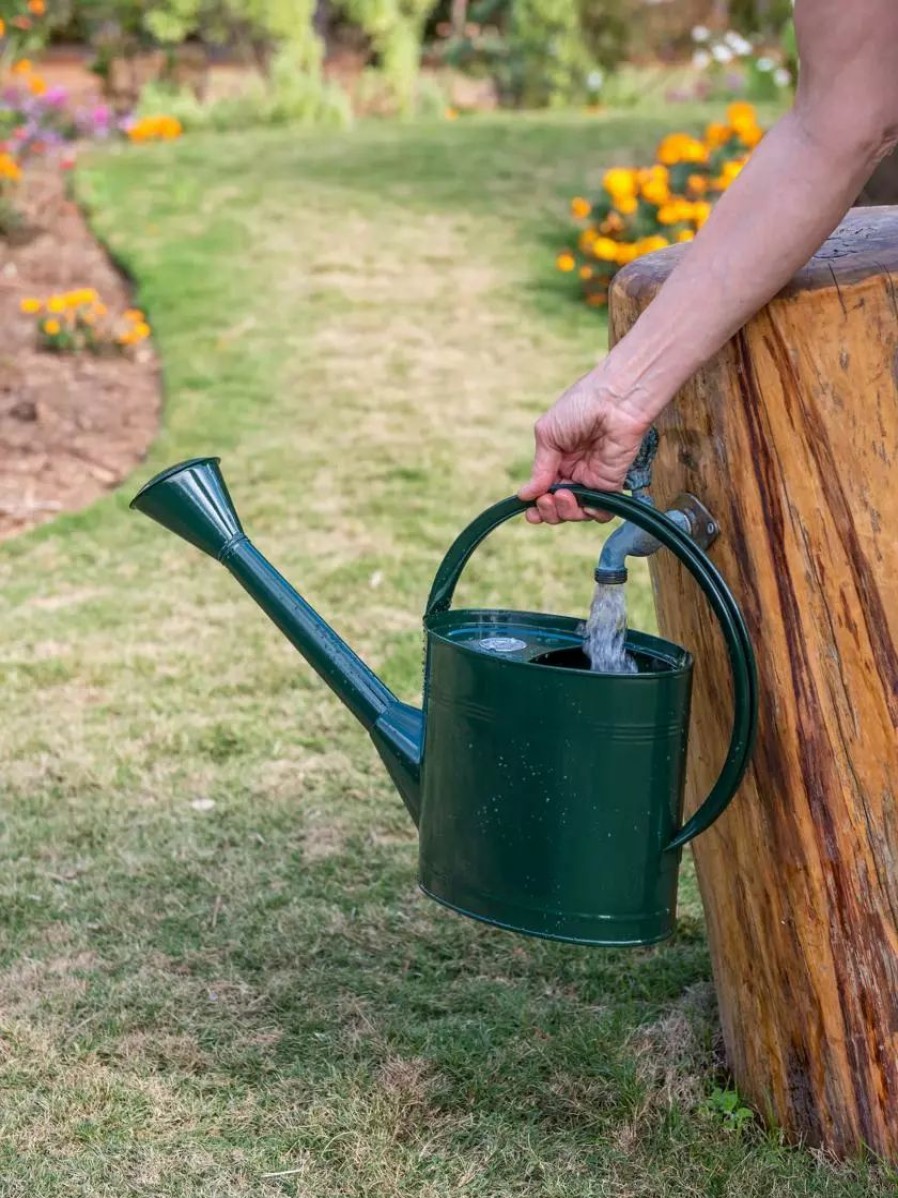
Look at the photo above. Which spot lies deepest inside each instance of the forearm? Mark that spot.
(793, 192)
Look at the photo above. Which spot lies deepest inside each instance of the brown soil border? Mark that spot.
(71, 426)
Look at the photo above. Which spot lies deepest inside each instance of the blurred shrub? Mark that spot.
(542, 53)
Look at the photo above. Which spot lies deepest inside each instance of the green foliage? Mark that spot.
(728, 1107)
(286, 96)
(544, 53)
(395, 28)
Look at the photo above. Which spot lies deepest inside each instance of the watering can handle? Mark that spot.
(724, 606)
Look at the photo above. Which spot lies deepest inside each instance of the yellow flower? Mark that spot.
(30, 306)
(142, 330)
(565, 262)
(647, 245)
(741, 114)
(605, 249)
(751, 135)
(22, 67)
(728, 173)
(56, 303)
(701, 210)
(686, 235)
(52, 328)
(585, 240)
(75, 299)
(586, 272)
(626, 205)
(148, 127)
(2, 27)
(657, 173)
(9, 168)
(134, 314)
(717, 134)
(680, 147)
(697, 184)
(656, 193)
(36, 85)
(620, 182)
(580, 207)
(626, 252)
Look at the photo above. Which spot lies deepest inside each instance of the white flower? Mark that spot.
(701, 33)
(781, 77)
(594, 80)
(765, 64)
(737, 43)
(721, 53)
(701, 60)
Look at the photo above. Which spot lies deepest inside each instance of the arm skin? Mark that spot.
(797, 186)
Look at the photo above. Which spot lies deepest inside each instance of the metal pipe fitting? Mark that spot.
(689, 515)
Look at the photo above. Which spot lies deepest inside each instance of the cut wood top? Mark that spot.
(863, 246)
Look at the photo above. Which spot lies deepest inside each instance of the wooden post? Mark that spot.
(790, 436)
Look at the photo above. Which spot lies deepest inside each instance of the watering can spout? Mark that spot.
(192, 500)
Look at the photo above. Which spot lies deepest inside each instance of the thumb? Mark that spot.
(546, 461)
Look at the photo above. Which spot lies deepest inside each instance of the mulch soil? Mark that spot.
(71, 425)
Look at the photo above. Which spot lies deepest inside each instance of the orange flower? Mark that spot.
(697, 184)
(680, 147)
(38, 7)
(566, 262)
(717, 134)
(52, 328)
(580, 207)
(22, 67)
(9, 168)
(2, 27)
(36, 85)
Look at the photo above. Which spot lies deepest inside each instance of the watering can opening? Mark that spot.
(576, 659)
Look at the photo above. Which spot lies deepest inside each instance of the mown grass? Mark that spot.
(197, 995)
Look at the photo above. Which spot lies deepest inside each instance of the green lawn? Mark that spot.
(364, 326)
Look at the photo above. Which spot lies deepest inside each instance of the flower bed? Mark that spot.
(640, 210)
(73, 424)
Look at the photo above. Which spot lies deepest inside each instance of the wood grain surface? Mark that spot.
(790, 436)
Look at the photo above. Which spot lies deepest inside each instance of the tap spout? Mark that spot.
(629, 541)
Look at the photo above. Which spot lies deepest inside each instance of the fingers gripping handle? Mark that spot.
(739, 648)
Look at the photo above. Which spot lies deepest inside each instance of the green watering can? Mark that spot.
(548, 797)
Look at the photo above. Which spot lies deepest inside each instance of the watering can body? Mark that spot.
(549, 794)
(548, 797)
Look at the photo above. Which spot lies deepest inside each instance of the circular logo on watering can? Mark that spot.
(502, 644)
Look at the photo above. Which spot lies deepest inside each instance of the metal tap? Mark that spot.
(687, 512)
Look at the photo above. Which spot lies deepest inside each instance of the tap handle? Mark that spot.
(639, 476)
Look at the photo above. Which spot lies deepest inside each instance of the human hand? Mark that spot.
(589, 436)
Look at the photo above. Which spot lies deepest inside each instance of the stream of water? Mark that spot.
(606, 631)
